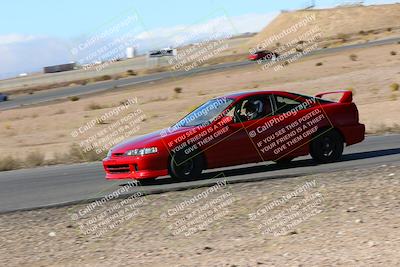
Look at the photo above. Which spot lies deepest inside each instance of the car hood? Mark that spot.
(147, 140)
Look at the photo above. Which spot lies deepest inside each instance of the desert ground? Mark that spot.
(347, 218)
(371, 73)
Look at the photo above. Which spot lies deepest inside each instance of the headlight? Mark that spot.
(141, 151)
(109, 153)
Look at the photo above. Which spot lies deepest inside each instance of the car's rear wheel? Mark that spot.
(186, 167)
(327, 147)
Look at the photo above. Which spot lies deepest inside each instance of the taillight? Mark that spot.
(356, 111)
(353, 109)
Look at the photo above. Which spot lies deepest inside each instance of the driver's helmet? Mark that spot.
(253, 109)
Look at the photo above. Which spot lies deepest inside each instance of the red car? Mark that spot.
(263, 55)
(240, 128)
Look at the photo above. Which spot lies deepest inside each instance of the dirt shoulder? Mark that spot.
(347, 218)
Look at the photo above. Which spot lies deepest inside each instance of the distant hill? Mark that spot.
(333, 22)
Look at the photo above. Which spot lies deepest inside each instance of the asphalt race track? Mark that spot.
(58, 185)
(60, 93)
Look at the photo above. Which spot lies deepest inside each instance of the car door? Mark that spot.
(260, 133)
(291, 131)
(237, 146)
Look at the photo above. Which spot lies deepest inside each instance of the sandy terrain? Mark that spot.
(47, 128)
(329, 219)
(337, 25)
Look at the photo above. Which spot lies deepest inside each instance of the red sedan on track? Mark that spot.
(240, 128)
(263, 55)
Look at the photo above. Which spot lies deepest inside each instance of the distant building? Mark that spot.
(130, 52)
(59, 68)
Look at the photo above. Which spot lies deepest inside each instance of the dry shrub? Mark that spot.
(353, 57)
(178, 90)
(104, 78)
(156, 70)
(94, 106)
(58, 112)
(34, 159)
(9, 163)
(394, 87)
(343, 36)
(157, 99)
(77, 154)
(131, 72)
(382, 128)
(393, 97)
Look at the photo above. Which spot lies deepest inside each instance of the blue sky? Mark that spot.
(70, 18)
(38, 33)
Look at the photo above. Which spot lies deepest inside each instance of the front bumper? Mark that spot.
(144, 167)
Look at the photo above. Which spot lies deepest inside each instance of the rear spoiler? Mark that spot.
(346, 98)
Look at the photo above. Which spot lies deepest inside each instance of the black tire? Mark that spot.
(184, 167)
(283, 161)
(327, 147)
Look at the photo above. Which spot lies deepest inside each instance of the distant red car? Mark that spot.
(263, 55)
(240, 128)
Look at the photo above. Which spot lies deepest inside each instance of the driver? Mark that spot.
(253, 109)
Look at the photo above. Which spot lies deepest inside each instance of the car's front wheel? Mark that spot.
(327, 147)
(186, 167)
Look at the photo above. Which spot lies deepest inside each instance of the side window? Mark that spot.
(285, 104)
(253, 108)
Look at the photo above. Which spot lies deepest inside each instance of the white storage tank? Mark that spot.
(130, 52)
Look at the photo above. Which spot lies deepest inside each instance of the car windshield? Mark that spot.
(205, 113)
